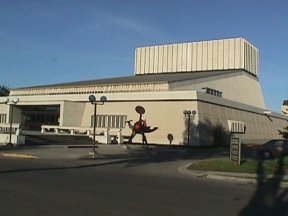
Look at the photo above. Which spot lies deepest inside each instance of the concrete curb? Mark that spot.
(195, 173)
(244, 179)
(19, 156)
(230, 176)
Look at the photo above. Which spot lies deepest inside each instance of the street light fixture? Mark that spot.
(93, 100)
(188, 113)
(5, 100)
(14, 102)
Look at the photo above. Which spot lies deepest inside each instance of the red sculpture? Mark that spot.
(140, 127)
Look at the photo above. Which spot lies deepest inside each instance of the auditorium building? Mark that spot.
(196, 94)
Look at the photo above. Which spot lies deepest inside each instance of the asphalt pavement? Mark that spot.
(136, 154)
(111, 152)
(76, 187)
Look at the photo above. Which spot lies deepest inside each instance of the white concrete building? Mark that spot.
(218, 79)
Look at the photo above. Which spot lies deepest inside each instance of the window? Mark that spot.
(212, 91)
(3, 118)
(236, 126)
(109, 121)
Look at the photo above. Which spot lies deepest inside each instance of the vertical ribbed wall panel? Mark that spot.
(242, 53)
(237, 54)
(220, 62)
(257, 63)
(247, 60)
(142, 61)
(179, 58)
(160, 59)
(204, 56)
(147, 58)
(151, 60)
(189, 57)
(170, 58)
(194, 56)
(231, 55)
(199, 56)
(184, 57)
(165, 59)
(252, 59)
(210, 55)
(174, 57)
(227, 54)
(156, 60)
(248, 57)
(253, 65)
(215, 56)
(138, 59)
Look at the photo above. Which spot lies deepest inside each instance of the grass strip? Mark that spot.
(279, 165)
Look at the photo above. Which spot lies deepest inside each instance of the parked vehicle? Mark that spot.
(273, 149)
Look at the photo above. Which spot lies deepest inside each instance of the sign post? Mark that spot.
(236, 127)
(235, 150)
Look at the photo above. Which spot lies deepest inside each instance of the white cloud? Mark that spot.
(133, 25)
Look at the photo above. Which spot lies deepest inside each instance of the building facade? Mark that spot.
(217, 80)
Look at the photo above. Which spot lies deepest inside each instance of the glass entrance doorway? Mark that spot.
(34, 116)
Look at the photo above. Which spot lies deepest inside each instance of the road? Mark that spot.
(55, 187)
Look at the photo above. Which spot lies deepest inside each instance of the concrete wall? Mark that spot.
(16, 114)
(15, 139)
(4, 111)
(240, 87)
(166, 115)
(259, 127)
(71, 113)
(227, 54)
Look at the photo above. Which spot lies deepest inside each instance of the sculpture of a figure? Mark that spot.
(140, 127)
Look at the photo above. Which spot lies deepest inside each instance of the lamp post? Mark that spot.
(93, 100)
(14, 102)
(188, 113)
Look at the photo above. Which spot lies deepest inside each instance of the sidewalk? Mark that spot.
(115, 151)
(63, 151)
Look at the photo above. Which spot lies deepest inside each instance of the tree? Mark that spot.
(4, 90)
(220, 135)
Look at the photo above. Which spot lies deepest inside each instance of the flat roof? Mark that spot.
(147, 78)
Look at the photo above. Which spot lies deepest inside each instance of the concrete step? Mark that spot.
(57, 140)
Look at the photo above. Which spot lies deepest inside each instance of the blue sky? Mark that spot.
(55, 41)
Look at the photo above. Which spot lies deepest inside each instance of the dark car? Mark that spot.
(273, 149)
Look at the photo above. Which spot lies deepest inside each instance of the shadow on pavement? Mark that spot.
(269, 198)
(58, 168)
(160, 154)
(136, 157)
